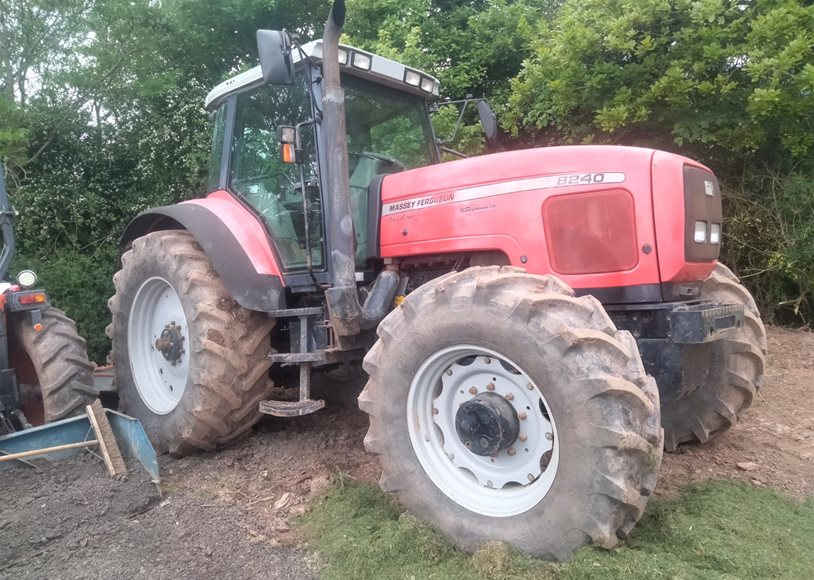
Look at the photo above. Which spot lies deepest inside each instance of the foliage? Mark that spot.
(715, 530)
(722, 77)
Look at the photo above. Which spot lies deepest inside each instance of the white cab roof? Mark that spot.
(382, 71)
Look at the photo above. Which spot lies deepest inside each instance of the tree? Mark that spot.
(714, 77)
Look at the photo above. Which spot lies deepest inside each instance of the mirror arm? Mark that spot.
(459, 121)
(452, 151)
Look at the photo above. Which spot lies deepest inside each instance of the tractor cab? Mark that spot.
(268, 147)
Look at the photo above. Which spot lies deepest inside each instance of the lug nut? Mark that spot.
(473, 390)
(511, 451)
(530, 476)
(522, 415)
(510, 396)
(487, 360)
(449, 372)
(549, 436)
(434, 411)
(529, 386)
(489, 484)
(523, 437)
(490, 387)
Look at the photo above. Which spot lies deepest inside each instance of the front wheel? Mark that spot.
(733, 371)
(504, 408)
(191, 363)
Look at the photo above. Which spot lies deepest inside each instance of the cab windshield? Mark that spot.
(387, 131)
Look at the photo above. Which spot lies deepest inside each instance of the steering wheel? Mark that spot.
(380, 157)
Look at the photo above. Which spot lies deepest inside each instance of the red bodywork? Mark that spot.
(513, 203)
(247, 229)
(499, 202)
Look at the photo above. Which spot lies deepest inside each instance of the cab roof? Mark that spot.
(352, 60)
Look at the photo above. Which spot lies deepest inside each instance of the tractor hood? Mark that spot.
(466, 180)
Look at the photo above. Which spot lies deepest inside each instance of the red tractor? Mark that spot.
(527, 303)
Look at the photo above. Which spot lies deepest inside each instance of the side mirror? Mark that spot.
(488, 121)
(274, 50)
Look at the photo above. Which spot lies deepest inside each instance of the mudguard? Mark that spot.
(232, 239)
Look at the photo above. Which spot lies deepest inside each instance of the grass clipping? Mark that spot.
(715, 530)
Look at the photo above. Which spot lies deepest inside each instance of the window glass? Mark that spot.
(271, 186)
(216, 156)
(388, 132)
(387, 123)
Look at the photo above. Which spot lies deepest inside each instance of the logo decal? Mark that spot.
(502, 188)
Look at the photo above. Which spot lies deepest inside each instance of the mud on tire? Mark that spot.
(227, 346)
(604, 407)
(52, 366)
(734, 374)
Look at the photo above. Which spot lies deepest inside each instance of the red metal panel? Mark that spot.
(247, 229)
(495, 202)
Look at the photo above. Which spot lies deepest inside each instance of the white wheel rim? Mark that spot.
(505, 484)
(159, 382)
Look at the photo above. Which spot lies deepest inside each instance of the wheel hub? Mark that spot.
(171, 343)
(487, 424)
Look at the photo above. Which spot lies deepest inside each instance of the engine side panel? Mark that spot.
(496, 202)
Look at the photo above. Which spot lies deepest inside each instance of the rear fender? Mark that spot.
(234, 241)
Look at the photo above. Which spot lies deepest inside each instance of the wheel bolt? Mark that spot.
(522, 415)
(523, 437)
(510, 396)
(473, 390)
(490, 387)
(529, 386)
(489, 484)
(511, 451)
(487, 360)
(549, 436)
(434, 411)
(530, 476)
(449, 372)
(467, 444)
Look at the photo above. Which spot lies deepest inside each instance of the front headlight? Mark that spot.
(715, 234)
(700, 235)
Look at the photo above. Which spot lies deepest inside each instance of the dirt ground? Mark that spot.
(228, 514)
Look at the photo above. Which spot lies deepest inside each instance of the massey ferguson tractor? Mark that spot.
(45, 374)
(536, 325)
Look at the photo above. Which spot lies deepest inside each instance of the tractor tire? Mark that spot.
(589, 447)
(53, 372)
(200, 388)
(734, 371)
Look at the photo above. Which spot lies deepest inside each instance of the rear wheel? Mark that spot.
(191, 363)
(734, 371)
(504, 408)
(54, 374)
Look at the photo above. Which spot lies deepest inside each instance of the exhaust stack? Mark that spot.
(348, 316)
